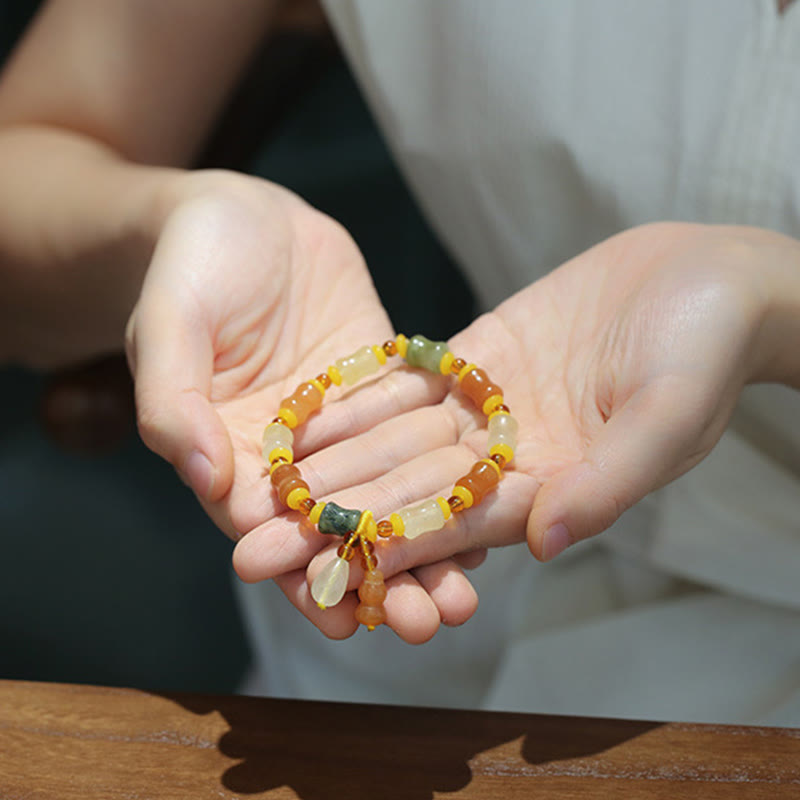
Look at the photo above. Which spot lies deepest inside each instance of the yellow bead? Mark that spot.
(492, 402)
(364, 528)
(275, 464)
(319, 385)
(463, 494)
(464, 370)
(496, 466)
(498, 411)
(289, 417)
(402, 345)
(380, 353)
(398, 526)
(445, 506)
(334, 375)
(313, 517)
(296, 496)
(504, 450)
(280, 452)
(447, 361)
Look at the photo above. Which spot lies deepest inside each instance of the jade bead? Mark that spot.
(425, 354)
(503, 429)
(358, 365)
(422, 518)
(338, 520)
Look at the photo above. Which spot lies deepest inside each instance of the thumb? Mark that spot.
(172, 365)
(655, 436)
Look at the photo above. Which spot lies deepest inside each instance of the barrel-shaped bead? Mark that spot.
(338, 520)
(276, 435)
(478, 386)
(502, 430)
(423, 353)
(358, 365)
(329, 586)
(286, 478)
(482, 478)
(422, 518)
(305, 399)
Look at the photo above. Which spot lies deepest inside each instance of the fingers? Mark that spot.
(172, 368)
(658, 434)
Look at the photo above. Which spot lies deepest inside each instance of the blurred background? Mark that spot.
(110, 573)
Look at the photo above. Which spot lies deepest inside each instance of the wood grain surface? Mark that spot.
(64, 742)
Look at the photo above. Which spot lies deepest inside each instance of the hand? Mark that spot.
(622, 367)
(251, 291)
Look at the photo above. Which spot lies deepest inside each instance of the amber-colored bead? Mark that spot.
(367, 547)
(499, 460)
(477, 385)
(305, 399)
(346, 552)
(457, 365)
(390, 348)
(283, 473)
(456, 504)
(385, 528)
(370, 616)
(502, 407)
(287, 487)
(481, 479)
(372, 591)
(324, 379)
(368, 562)
(306, 506)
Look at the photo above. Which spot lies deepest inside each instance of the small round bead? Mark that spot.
(482, 478)
(501, 409)
(370, 616)
(307, 506)
(335, 375)
(346, 552)
(457, 365)
(384, 528)
(390, 348)
(296, 496)
(499, 459)
(379, 353)
(401, 343)
(464, 495)
(324, 379)
(398, 526)
(368, 563)
(456, 504)
(446, 510)
(313, 517)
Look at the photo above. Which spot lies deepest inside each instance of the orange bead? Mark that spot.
(287, 487)
(482, 478)
(371, 616)
(390, 348)
(385, 528)
(477, 385)
(346, 552)
(324, 379)
(368, 563)
(284, 472)
(499, 459)
(306, 399)
(306, 506)
(372, 591)
(457, 365)
(456, 504)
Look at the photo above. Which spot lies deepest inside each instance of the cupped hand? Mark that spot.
(250, 291)
(622, 367)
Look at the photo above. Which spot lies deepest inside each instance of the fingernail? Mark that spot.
(556, 540)
(200, 474)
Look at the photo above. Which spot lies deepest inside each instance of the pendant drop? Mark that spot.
(330, 585)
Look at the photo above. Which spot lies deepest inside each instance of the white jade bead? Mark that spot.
(358, 365)
(276, 435)
(422, 518)
(330, 585)
(502, 430)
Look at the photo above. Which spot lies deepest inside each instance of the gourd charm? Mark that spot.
(359, 529)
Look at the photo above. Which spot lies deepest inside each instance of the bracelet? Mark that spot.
(359, 528)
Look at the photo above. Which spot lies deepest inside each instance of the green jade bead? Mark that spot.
(425, 354)
(338, 520)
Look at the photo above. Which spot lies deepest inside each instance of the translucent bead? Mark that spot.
(330, 585)
(338, 520)
(422, 518)
(503, 430)
(482, 478)
(276, 435)
(478, 386)
(305, 399)
(358, 365)
(370, 616)
(372, 591)
(425, 354)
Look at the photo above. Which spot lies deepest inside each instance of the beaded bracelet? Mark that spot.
(359, 528)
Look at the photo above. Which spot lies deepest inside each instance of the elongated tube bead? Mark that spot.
(423, 353)
(329, 586)
(482, 478)
(502, 430)
(478, 386)
(422, 518)
(276, 435)
(305, 399)
(358, 365)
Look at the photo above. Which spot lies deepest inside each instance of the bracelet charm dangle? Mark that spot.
(359, 529)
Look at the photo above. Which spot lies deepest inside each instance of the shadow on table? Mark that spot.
(324, 750)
